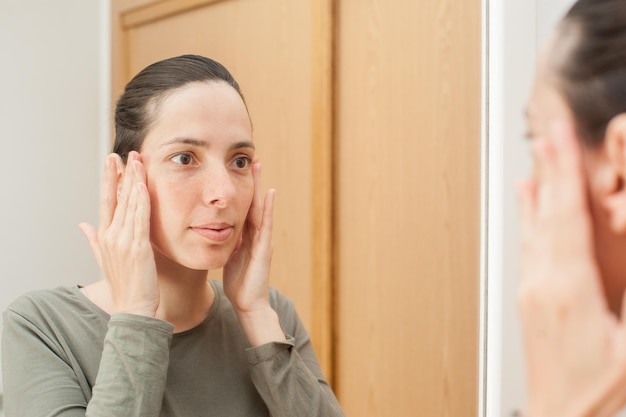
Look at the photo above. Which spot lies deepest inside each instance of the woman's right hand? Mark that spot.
(121, 244)
(575, 348)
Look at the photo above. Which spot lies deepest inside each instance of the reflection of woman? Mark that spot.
(574, 218)
(180, 196)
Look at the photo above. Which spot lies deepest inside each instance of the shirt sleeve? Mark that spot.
(287, 374)
(39, 381)
(133, 369)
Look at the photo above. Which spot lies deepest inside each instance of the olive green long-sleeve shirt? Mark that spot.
(63, 356)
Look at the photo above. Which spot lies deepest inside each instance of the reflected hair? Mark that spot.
(137, 107)
(592, 73)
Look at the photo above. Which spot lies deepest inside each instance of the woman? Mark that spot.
(574, 218)
(180, 196)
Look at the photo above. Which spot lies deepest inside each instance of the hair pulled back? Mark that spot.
(592, 75)
(137, 106)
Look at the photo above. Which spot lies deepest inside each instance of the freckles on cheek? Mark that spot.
(164, 194)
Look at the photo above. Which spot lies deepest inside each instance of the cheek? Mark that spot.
(166, 199)
(245, 194)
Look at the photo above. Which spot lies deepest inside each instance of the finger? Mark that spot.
(568, 165)
(131, 209)
(124, 193)
(142, 214)
(267, 222)
(108, 193)
(141, 171)
(543, 174)
(562, 197)
(91, 233)
(569, 157)
(256, 208)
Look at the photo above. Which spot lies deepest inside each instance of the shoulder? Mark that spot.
(40, 300)
(43, 307)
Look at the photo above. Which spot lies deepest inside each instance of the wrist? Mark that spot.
(261, 325)
(139, 309)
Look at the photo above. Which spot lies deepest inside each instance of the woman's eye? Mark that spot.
(242, 162)
(182, 159)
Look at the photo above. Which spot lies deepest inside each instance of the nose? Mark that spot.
(219, 188)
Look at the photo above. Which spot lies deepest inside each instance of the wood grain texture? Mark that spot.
(408, 207)
(161, 9)
(322, 181)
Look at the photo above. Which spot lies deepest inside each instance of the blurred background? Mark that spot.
(391, 129)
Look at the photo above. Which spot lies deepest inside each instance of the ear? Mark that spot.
(614, 175)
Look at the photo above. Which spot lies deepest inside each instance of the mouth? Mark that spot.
(214, 232)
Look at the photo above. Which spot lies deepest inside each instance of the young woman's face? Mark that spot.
(198, 156)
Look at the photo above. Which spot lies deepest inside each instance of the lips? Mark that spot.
(215, 232)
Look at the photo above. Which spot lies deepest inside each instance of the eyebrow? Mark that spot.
(199, 143)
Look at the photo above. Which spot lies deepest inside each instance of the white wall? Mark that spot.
(517, 29)
(54, 75)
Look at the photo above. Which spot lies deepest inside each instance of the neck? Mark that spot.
(185, 295)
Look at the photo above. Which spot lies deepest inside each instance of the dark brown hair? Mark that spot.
(592, 74)
(137, 106)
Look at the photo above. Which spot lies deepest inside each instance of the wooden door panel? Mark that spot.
(408, 207)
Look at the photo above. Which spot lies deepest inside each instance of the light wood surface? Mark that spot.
(322, 186)
(408, 207)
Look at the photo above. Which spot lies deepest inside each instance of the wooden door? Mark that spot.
(279, 52)
(408, 207)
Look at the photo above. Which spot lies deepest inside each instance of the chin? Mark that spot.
(206, 259)
(208, 265)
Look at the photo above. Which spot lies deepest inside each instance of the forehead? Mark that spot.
(546, 102)
(546, 99)
(201, 110)
(215, 98)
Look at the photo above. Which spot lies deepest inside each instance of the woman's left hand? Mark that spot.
(246, 274)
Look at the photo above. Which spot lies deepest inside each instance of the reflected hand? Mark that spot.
(575, 348)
